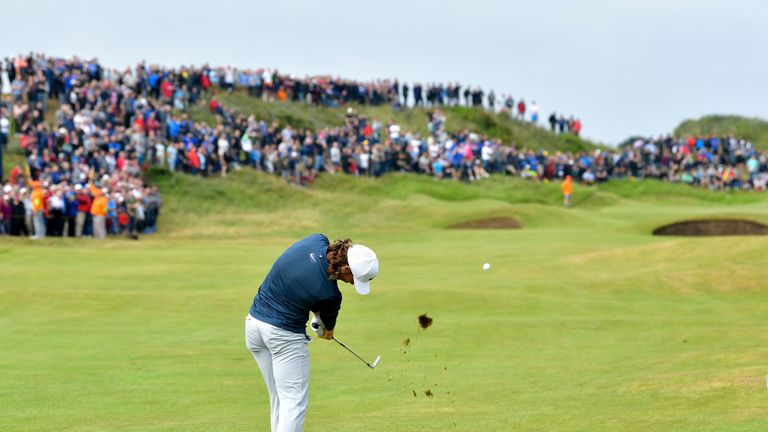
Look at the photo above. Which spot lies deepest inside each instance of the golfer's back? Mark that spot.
(297, 281)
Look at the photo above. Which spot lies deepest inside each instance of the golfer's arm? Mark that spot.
(328, 310)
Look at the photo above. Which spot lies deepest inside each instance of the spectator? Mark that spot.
(99, 211)
(567, 188)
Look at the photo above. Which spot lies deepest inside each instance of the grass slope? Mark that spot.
(754, 129)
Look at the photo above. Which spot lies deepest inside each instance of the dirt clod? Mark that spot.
(428, 392)
(406, 342)
(488, 223)
(414, 393)
(713, 227)
(425, 321)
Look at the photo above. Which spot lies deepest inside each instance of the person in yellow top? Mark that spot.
(567, 187)
(38, 209)
(99, 212)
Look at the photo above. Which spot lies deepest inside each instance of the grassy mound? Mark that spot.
(753, 129)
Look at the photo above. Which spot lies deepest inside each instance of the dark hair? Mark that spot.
(337, 257)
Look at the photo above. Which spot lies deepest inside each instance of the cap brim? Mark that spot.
(361, 287)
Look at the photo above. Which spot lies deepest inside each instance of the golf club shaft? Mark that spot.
(350, 350)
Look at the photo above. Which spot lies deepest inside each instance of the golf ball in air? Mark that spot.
(486, 267)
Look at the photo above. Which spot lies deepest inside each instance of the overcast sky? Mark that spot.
(623, 67)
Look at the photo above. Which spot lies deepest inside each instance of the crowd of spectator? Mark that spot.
(61, 207)
(369, 147)
(110, 125)
(83, 176)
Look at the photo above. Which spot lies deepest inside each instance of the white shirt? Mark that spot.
(394, 131)
(223, 145)
(486, 153)
(5, 125)
(335, 155)
(56, 202)
(434, 149)
(246, 143)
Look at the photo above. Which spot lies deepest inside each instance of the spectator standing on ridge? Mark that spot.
(521, 109)
(553, 122)
(534, 110)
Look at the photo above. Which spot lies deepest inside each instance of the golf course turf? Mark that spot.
(585, 322)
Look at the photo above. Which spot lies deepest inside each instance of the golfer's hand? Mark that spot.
(327, 334)
(317, 325)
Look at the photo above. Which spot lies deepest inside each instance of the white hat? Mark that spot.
(364, 265)
(78, 187)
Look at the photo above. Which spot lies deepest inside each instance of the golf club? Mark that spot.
(370, 365)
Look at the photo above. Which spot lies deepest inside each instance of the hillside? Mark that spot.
(302, 115)
(754, 129)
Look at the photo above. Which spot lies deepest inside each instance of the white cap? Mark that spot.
(364, 265)
(78, 187)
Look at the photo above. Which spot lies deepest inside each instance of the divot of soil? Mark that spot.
(489, 223)
(712, 227)
(406, 342)
(428, 392)
(425, 321)
(414, 393)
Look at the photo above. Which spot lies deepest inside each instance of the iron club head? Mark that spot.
(375, 362)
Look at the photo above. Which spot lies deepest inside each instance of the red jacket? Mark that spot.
(194, 161)
(167, 89)
(15, 173)
(83, 202)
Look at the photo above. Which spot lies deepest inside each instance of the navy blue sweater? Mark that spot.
(297, 284)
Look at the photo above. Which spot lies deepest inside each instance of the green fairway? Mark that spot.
(585, 322)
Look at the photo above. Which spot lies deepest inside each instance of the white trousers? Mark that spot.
(283, 358)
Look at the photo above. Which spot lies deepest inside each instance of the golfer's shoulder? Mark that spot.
(317, 237)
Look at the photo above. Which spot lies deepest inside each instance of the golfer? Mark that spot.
(302, 280)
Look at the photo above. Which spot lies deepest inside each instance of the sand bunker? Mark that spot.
(713, 227)
(489, 223)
